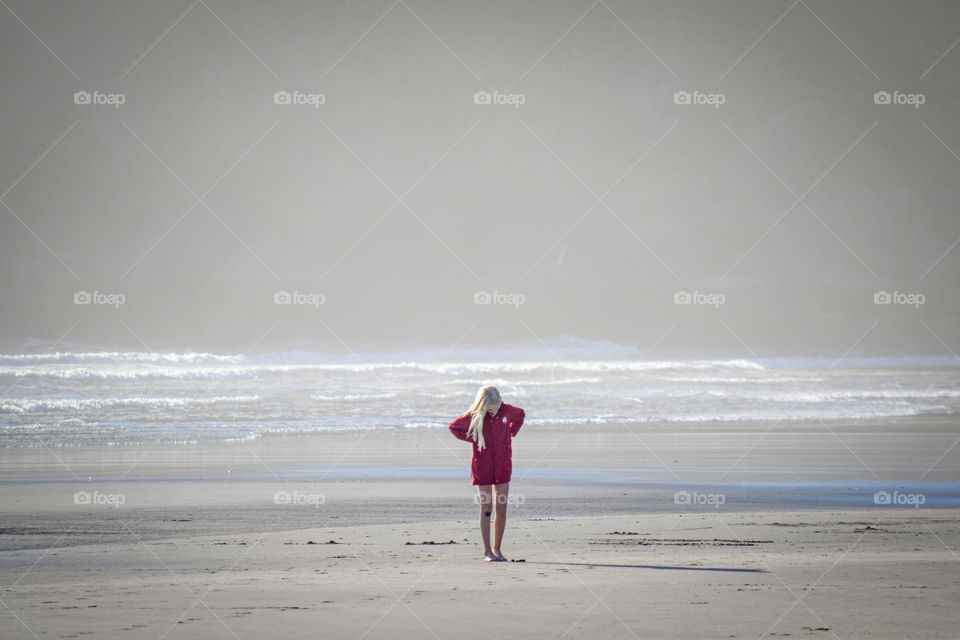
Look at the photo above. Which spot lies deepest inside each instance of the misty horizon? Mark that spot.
(585, 166)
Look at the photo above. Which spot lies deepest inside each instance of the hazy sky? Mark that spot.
(427, 151)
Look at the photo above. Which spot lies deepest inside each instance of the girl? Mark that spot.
(489, 425)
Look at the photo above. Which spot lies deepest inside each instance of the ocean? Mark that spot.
(88, 397)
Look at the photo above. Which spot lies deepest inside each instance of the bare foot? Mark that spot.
(499, 556)
(489, 556)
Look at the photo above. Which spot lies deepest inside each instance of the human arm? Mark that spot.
(459, 427)
(515, 420)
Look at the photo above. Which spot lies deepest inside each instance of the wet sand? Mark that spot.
(626, 531)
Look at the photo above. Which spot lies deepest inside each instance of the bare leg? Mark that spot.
(500, 498)
(486, 505)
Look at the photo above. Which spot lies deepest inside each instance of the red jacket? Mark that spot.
(494, 464)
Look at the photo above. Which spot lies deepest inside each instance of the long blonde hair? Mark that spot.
(487, 397)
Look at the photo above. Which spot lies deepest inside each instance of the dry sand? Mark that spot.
(883, 574)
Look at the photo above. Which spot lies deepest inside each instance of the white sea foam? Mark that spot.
(354, 396)
(101, 397)
(129, 367)
(27, 405)
(115, 356)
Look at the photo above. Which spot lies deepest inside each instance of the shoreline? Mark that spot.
(344, 530)
(378, 478)
(904, 447)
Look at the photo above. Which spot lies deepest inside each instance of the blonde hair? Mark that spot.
(487, 397)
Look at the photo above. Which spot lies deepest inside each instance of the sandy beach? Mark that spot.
(687, 270)
(809, 574)
(351, 535)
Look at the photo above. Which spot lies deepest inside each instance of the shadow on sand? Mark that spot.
(647, 566)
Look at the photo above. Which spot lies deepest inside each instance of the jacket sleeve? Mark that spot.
(516, 420)
(459, 427)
